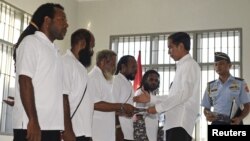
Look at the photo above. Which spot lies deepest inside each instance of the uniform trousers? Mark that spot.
(46, 135)
(177, 134)
(223, 123)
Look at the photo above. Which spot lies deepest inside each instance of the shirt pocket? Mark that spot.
(234, 94)
(213, 98)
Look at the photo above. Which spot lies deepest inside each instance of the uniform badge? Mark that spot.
(214, 90)
(234, 86)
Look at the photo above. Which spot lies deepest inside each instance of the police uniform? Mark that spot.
(222, 96)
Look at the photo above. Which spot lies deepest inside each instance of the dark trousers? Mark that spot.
(47, 135)
(177, 134)
(220, 123)
(223, 123)
(128, 140)
(83, 138)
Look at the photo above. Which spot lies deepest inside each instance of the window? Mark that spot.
(154, 55)
(12, 22)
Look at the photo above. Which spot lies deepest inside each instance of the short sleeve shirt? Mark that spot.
(39, 59)
(103, 128)
(123, 92)
(221, 95)
(75, 78)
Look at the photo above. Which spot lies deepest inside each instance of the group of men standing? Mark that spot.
(56, 97)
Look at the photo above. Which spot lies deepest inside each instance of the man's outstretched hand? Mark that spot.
(144, 97)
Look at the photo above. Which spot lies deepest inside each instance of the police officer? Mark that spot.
(224, 94)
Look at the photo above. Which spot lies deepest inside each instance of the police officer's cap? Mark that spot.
(218, 56)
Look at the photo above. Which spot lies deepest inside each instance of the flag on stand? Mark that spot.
(138, 75)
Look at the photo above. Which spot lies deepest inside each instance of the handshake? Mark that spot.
(128, 110)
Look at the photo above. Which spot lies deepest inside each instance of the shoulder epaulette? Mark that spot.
(211, 81)
(237, 78)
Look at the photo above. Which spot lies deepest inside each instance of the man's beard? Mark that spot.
(130, 77)
(108, 75)
(149, 88)
(85, 57)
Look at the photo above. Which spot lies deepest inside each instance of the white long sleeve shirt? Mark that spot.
(181, 106)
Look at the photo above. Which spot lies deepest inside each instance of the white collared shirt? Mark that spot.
(103, 128)
(39, 59)
(123, 92)
(181, 106)
(75, 79)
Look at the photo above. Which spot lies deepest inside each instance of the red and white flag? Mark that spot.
(138, 75)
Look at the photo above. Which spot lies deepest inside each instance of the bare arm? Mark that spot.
(107, 107)
(114, 107)
(68, 134)
(28, 101)
(244, 113)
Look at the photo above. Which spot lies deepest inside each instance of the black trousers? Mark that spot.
(47, 135)
(177, 134)
(223, 123)
(83, 138)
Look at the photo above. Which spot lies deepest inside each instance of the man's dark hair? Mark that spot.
(146, 75)
(181, 37)
(37, 20)
(44, 10)
(79, 35)
(123, 60)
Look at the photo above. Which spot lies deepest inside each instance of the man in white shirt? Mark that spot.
(123, 92)
(39, 77)
(146, 125)
(181, 106)
(105, 107)
(77, 107)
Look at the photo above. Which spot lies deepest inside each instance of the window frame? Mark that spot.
(16, 20)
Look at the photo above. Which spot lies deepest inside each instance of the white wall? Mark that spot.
(112, 17)
(6, 138)
(70, 7)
